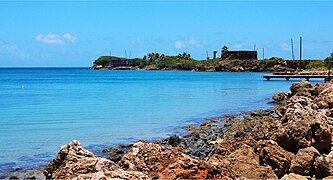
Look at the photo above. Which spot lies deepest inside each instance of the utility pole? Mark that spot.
(125, 54)
(300, 51)
(129, 55)
(292, 49)
(263, 53)
(207, 57)
(254, 47)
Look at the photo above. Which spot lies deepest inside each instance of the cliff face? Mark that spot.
(294, 141)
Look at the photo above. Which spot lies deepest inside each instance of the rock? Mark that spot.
(293, 176)
(73, 161)
(300, 89)
(256, 129)
(173, 140)
(303, 125)
(324, 166)
(243, 163)
(280, 97)
(158, 161)
(303, 161)
(270, 153)
(30, 174)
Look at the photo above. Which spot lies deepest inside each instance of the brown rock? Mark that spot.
(303, 161)
(158, 161)
(243, 163)
(280, 97)
(270, 153)
(300, 88)
(73, 161)
(324, 166)
(303, 125)
(293, 176)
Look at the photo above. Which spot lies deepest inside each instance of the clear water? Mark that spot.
(106, 108)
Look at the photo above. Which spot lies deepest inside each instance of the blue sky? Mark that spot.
(76, 33)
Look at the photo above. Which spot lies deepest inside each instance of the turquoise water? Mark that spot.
(103, 108)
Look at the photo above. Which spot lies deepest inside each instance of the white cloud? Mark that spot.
(12, 50)
(285, 46)
(56, 38)
(69, 38)
(189, 42)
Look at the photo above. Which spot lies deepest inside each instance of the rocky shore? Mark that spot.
(225, 66)
(293, 141)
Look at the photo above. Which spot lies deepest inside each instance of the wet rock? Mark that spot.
(303, 161)
(293, 176)
(270, 153)
(173, 140)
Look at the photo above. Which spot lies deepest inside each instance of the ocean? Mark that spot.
(42, 109)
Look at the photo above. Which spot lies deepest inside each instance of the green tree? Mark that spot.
(103, 60)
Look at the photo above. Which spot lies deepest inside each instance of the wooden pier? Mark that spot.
(287, 77)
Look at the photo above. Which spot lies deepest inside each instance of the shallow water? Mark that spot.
(44, 108)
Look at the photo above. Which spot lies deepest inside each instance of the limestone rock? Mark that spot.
(270, 153)
(303, 161)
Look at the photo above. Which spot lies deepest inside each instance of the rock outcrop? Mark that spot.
(75, 162)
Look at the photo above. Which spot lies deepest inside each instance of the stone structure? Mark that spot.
(239, 54)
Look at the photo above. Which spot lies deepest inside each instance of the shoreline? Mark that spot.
(293, 141)
(182, 130)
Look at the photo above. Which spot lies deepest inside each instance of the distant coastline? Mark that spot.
(215, 65)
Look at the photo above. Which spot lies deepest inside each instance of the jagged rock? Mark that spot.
(280, 97)
(324, 166)
(243, 163)
(73, 161)
(293, 176)
(303, 125)
(158, 161)
(303, 161)
(270, 153)
(300, 89)
(254, 129)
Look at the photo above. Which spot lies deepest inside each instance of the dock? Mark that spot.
(287, 77)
